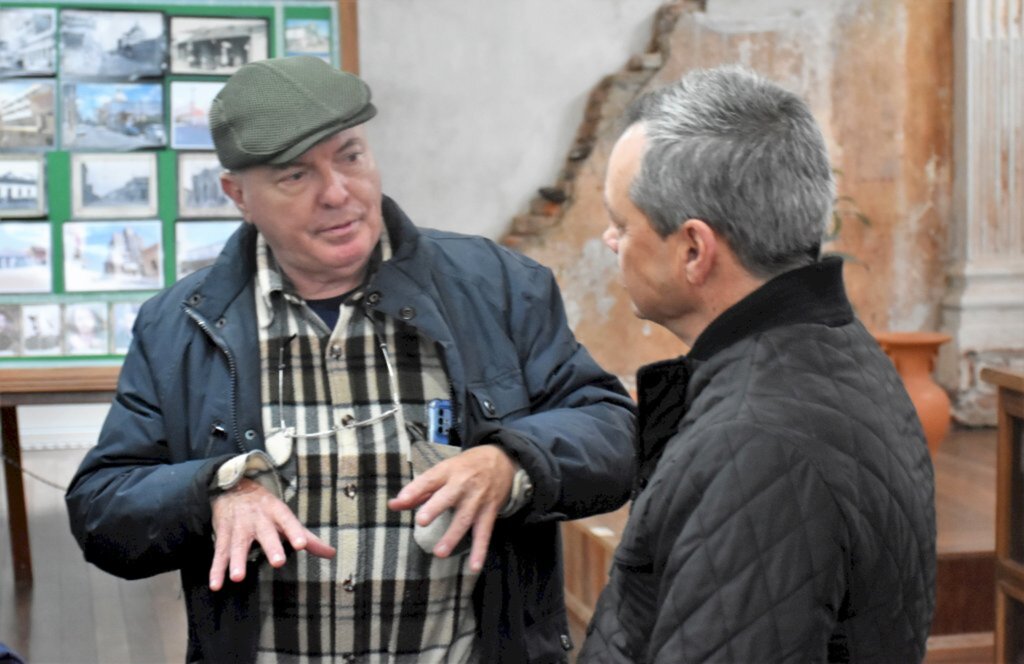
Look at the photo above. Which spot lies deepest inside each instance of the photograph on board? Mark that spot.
(308, 36)
(216, 46)
(86, 329)
(22, 186)
(28, 41)
(10, 329)
(199, 190)
(113, 255)
(40, 329)
(197, 243)
(122, 318)
(113, 116)
(25, 251)
(112, 44)
(27, 116)
(109, 185)
(190, 109)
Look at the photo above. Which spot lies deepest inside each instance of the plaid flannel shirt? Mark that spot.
(381, 598)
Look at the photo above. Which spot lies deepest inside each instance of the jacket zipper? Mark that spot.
(232, 369)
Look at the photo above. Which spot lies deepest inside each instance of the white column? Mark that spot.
(984, 304)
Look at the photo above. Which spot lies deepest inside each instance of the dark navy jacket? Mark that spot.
(188, 399)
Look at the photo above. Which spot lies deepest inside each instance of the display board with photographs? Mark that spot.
(109, 186)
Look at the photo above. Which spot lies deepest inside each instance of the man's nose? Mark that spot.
(611, 238)
(335, 190)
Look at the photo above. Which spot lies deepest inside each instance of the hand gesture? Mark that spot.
(475, 483)
(249, 513)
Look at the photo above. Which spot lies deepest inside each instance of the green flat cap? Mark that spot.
(271, 111)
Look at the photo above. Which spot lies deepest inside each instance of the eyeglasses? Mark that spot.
(279, 442)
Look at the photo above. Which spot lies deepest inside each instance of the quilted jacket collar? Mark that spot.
(811, 294)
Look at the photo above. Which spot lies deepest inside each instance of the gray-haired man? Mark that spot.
(335, 369)
(784, 501)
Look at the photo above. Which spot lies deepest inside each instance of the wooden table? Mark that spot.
(1009, 590)
(20, 386)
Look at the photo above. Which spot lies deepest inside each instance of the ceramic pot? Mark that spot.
(914, 354)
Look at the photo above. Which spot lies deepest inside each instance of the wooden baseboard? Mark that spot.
(970, 648)
(965, 594)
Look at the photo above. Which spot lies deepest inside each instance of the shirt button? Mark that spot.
(489, 406)
(566, 642)
(407, 313)
(350, 490)
(374, 297)
(335, 351)
(349, 584)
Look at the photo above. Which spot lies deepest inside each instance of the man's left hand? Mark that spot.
(475, 483)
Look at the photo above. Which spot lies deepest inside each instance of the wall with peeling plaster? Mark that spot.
(877, 75)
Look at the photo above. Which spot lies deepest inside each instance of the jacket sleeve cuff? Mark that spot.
(256, 465)
(521, 494)
(544, 480)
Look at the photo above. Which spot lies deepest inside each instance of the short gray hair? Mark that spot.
(742, 154)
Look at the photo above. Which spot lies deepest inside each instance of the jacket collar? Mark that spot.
(810, 294)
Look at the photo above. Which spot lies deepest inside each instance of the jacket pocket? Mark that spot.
(499, 400)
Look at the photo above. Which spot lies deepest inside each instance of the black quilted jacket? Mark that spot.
(784, 507)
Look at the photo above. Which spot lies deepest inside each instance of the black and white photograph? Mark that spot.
(308, 36)
(28, 41)
(197, 243)
(22, 186)
(113, 116)
(190, 109)
(25, 250)
(117, 185)
(86, 329)
(27, 116)
(10, 329)
(219, 46)
(112, 44)
(40, 329)
(199, 190)
(112, 255)
(122, 318)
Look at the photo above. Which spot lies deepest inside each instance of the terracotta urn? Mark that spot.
(914, 355)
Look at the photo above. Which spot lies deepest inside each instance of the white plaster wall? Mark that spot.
(479, 100)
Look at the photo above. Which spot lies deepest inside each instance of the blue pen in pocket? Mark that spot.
(439, 417)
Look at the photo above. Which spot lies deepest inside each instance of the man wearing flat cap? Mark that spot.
(354, 438)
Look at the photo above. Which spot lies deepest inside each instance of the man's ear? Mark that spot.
(231, 185)
(699, 247)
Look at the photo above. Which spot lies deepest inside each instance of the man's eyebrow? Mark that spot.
(354, 141)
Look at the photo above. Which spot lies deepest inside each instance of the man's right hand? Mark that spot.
(249, 513)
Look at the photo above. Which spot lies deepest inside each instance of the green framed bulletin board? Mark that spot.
(108, 183)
